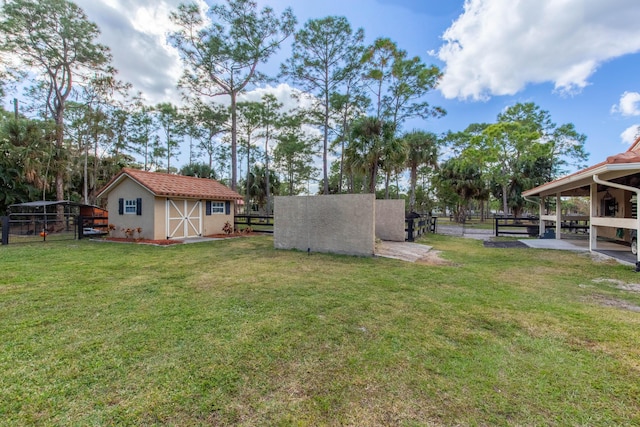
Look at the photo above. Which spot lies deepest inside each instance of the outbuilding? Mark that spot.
(160, 206)
(612, 186)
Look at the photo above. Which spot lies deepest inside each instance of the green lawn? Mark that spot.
(234, 332)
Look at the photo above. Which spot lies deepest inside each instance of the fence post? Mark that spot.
(79, 227)
(5, 230)
(496, 225)
(410, 230)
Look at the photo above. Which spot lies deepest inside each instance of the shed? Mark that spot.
(165, 206)
(612, 186)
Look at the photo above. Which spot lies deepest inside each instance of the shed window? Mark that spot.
(217, 207)
(131, 206)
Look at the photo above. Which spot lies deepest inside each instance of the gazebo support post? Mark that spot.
(543, 224)
(558, 217)
(593, 212)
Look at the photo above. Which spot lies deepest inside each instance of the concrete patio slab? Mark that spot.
(405, 251)
(200, 239)
(617, 251)
(564, 245)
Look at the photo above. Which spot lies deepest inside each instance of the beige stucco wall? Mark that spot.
(128, 190)
(390, 220)
(213, 224)
(343, 224)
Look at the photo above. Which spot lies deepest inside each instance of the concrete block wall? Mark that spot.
(343, 224)
(390, 220)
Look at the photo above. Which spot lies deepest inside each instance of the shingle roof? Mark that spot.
(163, 184)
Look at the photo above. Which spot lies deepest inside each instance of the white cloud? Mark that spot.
(629, 104)
(136, 33)
(497, 47)
(630, 134)
(289, 97)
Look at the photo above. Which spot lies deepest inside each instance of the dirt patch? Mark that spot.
(163, 242)
(608, 301)
(229, 236)
(507, 244)
(433, 258)
(615, 303)
(167, 242)
(602, 259)
(619, 284)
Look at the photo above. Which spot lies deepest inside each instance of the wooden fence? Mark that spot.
(505, 226)
(416, 227)
(257, 223)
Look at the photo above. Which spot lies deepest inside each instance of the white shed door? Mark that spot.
(184, 218)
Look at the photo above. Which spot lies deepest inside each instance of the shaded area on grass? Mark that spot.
(505, 244)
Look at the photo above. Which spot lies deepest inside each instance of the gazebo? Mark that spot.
(612, 186)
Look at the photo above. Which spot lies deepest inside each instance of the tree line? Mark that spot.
(81, 124)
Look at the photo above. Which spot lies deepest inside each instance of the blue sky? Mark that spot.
(577, 59)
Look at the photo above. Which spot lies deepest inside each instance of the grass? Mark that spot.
(234, 332)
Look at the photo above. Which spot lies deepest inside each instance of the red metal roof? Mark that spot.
(164, 184)
(631, 156)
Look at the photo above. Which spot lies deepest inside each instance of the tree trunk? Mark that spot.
(387, 179)
(168, 132)
(85, 173)
(325, 145)
(373, 180)
(266, 170)
(341, 167)
(234, 140)
(95, 163)
(505, 205)
(246, 184)
(58, 161)
(412, 191)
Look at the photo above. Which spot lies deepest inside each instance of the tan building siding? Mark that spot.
(129, 190)
(214, 223)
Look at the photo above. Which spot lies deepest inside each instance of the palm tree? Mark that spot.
(465, 178)
(369, 136)
(257, 185)
(422, 150)
(393, 160)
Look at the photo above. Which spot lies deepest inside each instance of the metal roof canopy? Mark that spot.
(45, 203)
